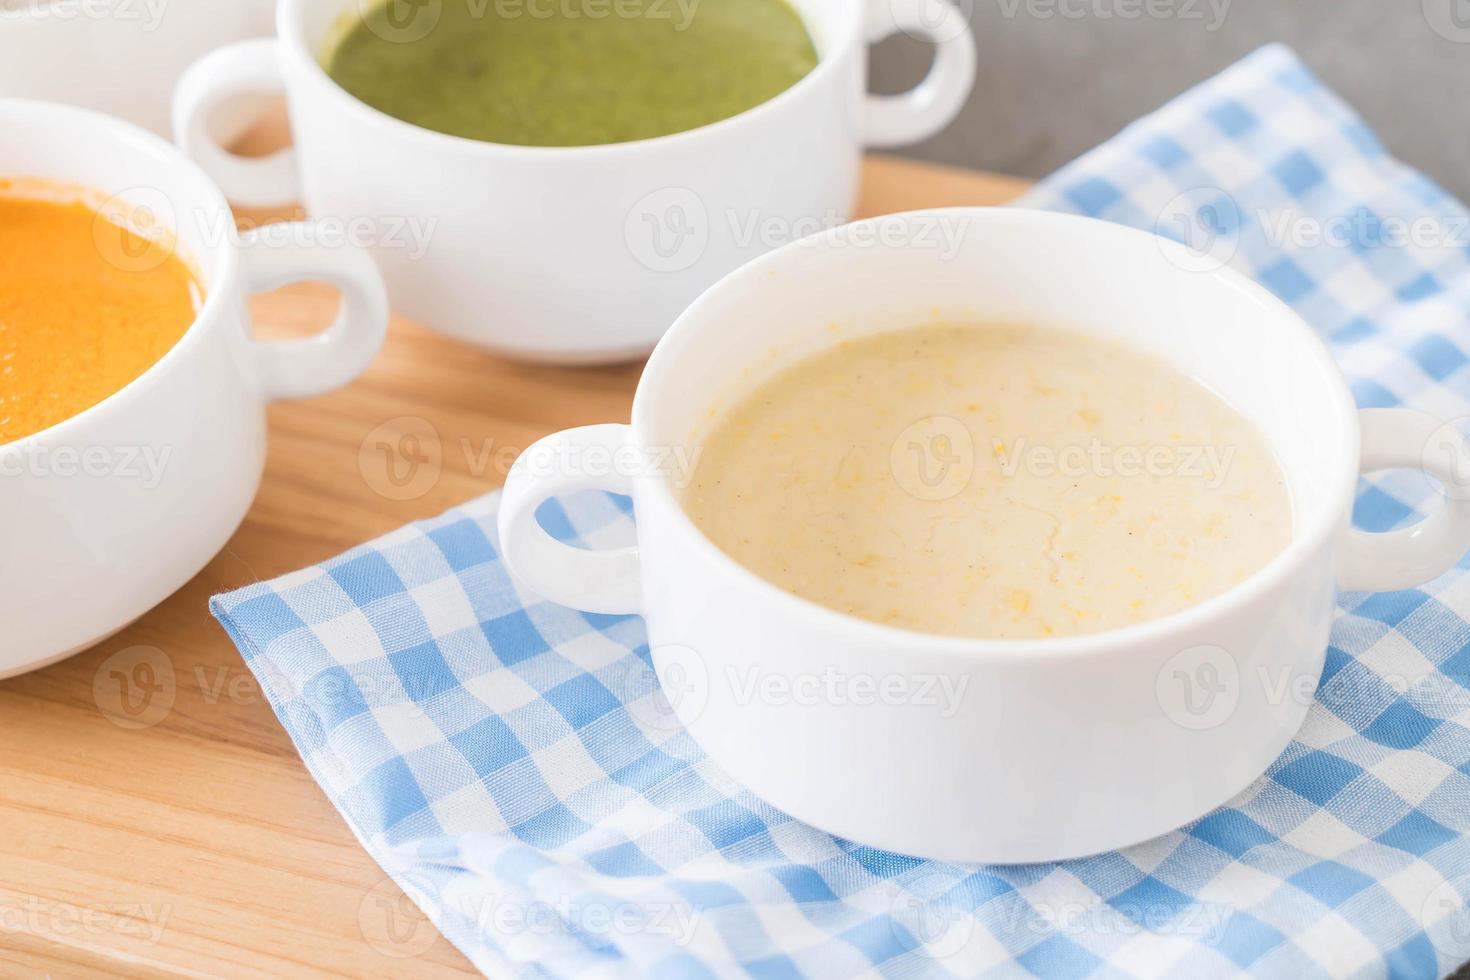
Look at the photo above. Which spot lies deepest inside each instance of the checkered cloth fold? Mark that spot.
(501, 757)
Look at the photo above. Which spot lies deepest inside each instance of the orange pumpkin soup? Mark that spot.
(86, 306)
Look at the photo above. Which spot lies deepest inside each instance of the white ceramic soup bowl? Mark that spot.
(974, 750)
(121, 57)
(576, 254)
(106, 513)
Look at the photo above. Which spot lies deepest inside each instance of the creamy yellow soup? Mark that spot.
(995, 481)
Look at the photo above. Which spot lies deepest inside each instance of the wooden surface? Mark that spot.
(187, 839)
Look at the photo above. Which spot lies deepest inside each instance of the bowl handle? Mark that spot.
(295, 251)
(244, 68)
(1397, 438)
(588, 458)
(900, 120)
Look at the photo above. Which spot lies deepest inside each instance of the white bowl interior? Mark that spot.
(1015, 267)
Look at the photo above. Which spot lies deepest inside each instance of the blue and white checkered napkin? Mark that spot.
(492, 753)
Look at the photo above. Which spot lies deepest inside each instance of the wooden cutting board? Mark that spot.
(187, 839)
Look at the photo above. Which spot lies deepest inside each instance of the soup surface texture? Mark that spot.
(553, 74)
(997, 482)
(86, 306)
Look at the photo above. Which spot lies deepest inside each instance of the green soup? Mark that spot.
(571, 72)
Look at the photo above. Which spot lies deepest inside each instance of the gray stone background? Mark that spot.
(1057, 77)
